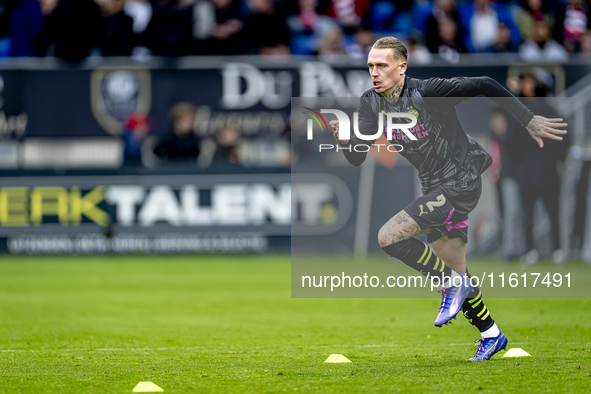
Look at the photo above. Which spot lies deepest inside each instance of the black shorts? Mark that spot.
(443, 210)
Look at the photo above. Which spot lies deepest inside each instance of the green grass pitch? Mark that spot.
(194, 324)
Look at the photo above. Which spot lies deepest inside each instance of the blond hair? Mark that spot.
(399, 50)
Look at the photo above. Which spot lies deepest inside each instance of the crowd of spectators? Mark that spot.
(181, 144)
(332, 29)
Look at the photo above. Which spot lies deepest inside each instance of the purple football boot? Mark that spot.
(452, 300)
(487, 347)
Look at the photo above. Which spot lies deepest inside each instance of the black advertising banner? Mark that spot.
(144, 214)
(205, 213)
(60, 101)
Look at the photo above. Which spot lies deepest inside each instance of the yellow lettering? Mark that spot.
(14, 206)
(87, 206)
(49, 201)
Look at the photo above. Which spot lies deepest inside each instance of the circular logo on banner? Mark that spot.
(116, 93)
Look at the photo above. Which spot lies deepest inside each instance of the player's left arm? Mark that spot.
(538, 126)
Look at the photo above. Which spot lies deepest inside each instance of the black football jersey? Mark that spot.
(442, 153)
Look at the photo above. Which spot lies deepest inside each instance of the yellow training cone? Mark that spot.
(517, 352)
(337, 358)
(146, 387)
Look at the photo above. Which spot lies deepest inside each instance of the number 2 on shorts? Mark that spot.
(439, 202)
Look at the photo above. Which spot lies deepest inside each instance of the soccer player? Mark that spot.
(450, 164)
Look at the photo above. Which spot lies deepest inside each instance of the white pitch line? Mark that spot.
(144, 349)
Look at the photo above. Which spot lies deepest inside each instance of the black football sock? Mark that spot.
(476, 312)
(418, 256)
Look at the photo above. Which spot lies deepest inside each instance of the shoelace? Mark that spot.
(445, 301)
(480, 346)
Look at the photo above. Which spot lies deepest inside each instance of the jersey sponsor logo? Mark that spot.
(418, 132)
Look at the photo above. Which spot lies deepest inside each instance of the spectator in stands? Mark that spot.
(534, 11)
(349, 13)
(26, 23)
(308, 27)
(47, 6)
(386, 16)
(586, 43)
(227, 139)
(483, 21)
(504, 43)
(141, 13)
(6, 7)
(577, 20)
(119, 38)
(484, 25)
(541, 47)
(169, 32)
(137, 128)
(266, 32)
(332, 49)
(181, 144)
(451, 44)
(417, 52)
(443, 10)
(204, 21)
(220, 32)
(26, 32)
(72, 30)
(361, 45)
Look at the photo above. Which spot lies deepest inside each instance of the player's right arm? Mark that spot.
(353, 157)
(367, 124)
